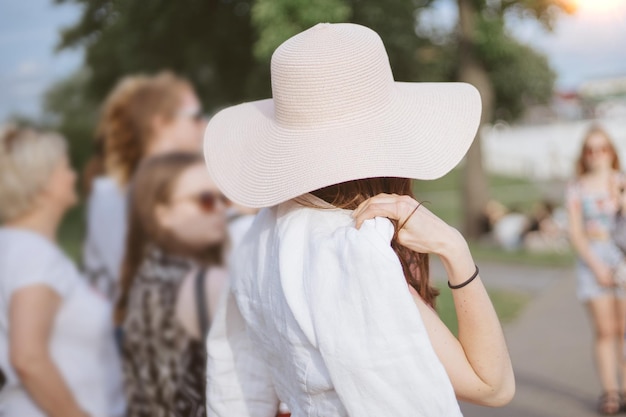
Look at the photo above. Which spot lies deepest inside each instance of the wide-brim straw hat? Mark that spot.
(337, 115)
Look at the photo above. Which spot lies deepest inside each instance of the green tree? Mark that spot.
(73, 114)
(395, 22)
(486, 55)
(508, 74)
(208, 41)
(520, 75)
(223, 47)
(278, 20)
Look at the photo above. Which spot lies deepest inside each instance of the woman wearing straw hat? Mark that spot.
(330, 307)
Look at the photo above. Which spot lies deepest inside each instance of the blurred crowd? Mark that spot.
(543, 229)
(123, 336)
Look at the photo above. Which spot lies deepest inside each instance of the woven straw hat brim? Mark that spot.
(422, 133)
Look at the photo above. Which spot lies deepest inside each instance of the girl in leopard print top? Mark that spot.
(177, 227)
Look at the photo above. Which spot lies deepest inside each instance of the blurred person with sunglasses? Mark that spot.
(592, 203)
(172, 277)
(143, 116)
(57, 351)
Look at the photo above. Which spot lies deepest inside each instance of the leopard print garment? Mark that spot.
(164, 368)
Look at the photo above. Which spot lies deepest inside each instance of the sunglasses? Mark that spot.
(194, 113)
(207, 200)
(597, 150)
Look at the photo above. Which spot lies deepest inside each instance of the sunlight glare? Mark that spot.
(600, 6)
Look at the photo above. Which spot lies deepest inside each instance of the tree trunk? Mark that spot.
(475, 189)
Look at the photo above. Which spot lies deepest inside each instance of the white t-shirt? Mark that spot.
(106, 235)
(81, 343)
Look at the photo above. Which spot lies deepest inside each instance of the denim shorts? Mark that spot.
(588, 287)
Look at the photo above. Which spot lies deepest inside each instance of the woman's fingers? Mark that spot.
(420, 229)
(389, 198)
(392, 206)
(383, 205)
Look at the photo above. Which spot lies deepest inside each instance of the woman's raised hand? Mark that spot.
(421, 230)
(478, 363)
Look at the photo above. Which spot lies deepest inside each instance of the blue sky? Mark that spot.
(587, 45)
(591, 44)
(28, 63)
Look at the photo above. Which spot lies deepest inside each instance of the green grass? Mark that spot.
(508, 305)
(521, 257)
(443, 197)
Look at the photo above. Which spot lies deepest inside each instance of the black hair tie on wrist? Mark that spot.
(409, 216)
(463, 284)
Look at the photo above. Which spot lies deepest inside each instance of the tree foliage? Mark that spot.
(208, 41)
(278, 20)
(394, 20)
(544, 11)
(487, 57)
(73, 114)
(520, 75)
(223, 47)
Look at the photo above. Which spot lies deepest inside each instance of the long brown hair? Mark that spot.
(153, 185)
(349, 195)
(126, 124)
(581, 163)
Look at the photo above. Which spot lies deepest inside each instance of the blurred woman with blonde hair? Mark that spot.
(56, 336)
(143, 116)
(592, 203)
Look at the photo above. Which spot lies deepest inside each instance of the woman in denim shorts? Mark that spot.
(592, 203)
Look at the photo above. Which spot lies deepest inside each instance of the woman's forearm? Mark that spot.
(480, 332)
(46, 386)
(581, 246)
(478, 363)
(578, 237)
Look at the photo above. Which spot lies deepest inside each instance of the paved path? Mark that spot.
(550, 345)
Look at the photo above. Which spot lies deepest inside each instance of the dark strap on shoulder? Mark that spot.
(202, 309)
